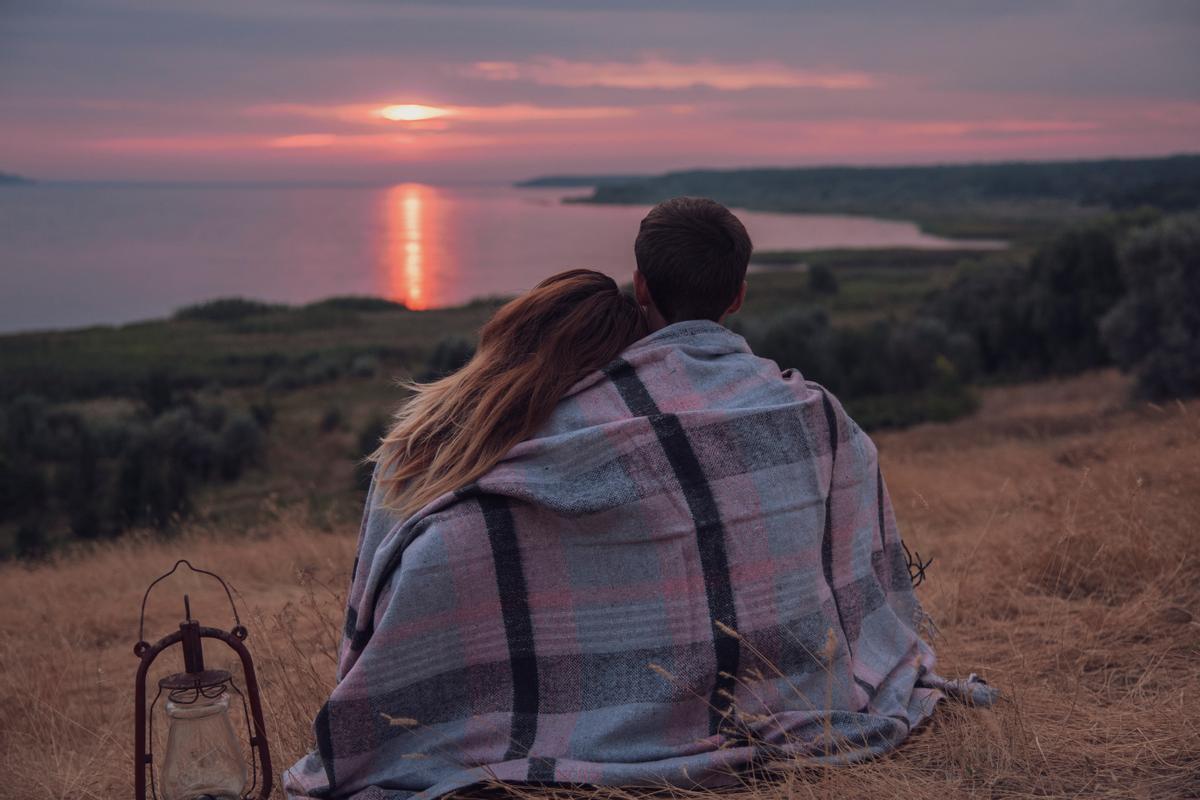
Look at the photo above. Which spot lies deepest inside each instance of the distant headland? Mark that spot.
(8, 179)
(568, 181)
(1008, 200)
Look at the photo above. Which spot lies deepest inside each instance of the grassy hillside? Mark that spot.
(1061, 519)
(1000, 200)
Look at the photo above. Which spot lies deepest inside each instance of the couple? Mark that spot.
(618, 548)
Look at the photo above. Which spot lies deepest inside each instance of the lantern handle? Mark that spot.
(142, 618)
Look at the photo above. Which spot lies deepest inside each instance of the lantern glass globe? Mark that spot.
(203, 758)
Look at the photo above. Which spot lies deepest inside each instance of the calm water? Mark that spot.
(81, 254)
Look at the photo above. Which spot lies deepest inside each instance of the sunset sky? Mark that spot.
(365, 90)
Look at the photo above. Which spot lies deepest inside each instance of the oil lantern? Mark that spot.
(204, 757)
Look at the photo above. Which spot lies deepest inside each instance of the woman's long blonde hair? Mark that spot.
(453, 430)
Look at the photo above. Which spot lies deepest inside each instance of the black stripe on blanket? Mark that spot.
(324, 733)
(827, 538)
(541, 770)
(879, 503)
(518, 624)
(710, 532)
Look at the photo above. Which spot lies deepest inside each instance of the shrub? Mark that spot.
(359, 303)
(449, 354)
(364, 366)
(25, 425)
(801, 338)
(156, 391)
(821, 280)
(31, 540)
(150, 487)
(226, 309)
(186, 443)
(23, 486)
(242, 444)
(263, 413)
(1073, 281)
(331, 420)
(1154, 331)
(887, 373)
(987, 306)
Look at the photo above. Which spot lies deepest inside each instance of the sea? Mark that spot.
(78, 254)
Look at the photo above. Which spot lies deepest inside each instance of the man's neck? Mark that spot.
(655, 319)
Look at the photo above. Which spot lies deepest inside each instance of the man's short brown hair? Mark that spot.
(693, 253)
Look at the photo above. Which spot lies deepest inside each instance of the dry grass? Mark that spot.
(1063, 523)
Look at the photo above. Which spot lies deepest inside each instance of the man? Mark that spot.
(693, 567)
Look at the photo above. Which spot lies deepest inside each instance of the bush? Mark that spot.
(23, 486)
(331, 420)
(1154, 331)
(1073, 281)
(242, 445)
(226, 309)
(25, 425)
(79, 486)
(311, 370)
(801, 338)
(821, 280)
(189, 445)
(263, 413)
(1043, 318)
(449, 354)
(888, 374)
(359, 303)
(988, 307)
(150, 487)
(31, 540)
(364, 366)
(156, 391)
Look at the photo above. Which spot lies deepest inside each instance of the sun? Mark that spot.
(411, 112)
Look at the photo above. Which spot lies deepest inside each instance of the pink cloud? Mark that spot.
(370, 114)
(655, 73)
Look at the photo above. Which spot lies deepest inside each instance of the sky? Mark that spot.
(460, 91)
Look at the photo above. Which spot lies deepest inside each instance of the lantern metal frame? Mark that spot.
(190, 634)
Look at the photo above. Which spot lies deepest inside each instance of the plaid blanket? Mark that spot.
(693, 567)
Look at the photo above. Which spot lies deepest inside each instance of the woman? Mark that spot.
(454, 430)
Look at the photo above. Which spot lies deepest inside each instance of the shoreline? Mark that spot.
(766, 261)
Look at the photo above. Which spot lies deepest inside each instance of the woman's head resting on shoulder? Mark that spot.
(452, 431)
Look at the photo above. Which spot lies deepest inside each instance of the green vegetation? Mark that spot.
(109, 428)
(1154, 329)
(93, 476)
(1020, 200)
(871, 284)
(1123, 288)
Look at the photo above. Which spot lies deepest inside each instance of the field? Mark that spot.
(1061, 519)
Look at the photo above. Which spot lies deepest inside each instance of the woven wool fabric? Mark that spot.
(693, 567)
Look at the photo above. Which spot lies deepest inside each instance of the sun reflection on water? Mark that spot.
(409, 211)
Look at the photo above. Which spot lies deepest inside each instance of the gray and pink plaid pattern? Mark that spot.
(693, 568)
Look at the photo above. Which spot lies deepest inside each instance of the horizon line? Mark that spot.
(567, 173)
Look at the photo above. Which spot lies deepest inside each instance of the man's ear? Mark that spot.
(641, 291)
(737, 301)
